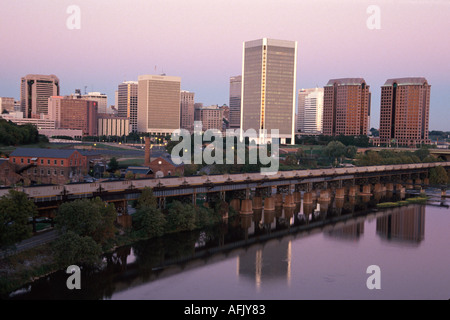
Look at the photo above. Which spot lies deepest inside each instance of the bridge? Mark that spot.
(246, 191)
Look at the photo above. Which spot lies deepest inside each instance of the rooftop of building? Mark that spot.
(346, 82)
(139, 170)
(42, 153)
(416, 81)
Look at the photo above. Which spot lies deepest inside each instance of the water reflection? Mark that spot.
(261, 244)
(403, 224)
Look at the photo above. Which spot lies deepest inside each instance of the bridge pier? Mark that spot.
(353, 191)
(246, 207)
(340, 193)
(297, 197)
(269, 204)
(278, 200)
(257, 202)
(324, 196)
(235, 204)
(367, 189)
(308, 198)
(289, 201)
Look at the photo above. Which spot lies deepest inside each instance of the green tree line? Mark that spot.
(13, 134)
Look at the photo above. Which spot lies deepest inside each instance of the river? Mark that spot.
(308, 252)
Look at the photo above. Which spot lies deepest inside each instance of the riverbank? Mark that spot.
(25, 267)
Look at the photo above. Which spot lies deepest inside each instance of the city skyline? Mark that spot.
(333, 42)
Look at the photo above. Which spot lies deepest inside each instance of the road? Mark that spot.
(32, 242)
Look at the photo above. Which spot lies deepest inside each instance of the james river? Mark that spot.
(281, 255)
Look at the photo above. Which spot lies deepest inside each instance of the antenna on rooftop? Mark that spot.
(85, 87)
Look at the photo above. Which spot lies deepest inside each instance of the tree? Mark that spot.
(181, 217)
(422, 153)
(438, 175)
(129, 175)
(72, 248)
(350, 152)
(146, 199)
(15, 214)
(149, 221)
(117, 174)
(334, 150)
(93, 218)
(113, 165)
(106, 175)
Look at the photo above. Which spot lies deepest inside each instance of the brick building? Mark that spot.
(49, 166)
(8, 175)
(163, 167)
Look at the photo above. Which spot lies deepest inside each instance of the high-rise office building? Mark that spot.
(269, 87)
(405, 111)
(346, 107)
(235, 101)
(158, 104)
(101, 98)
(71, 113)
(34, 93)
(127, 102)
(310, 110)
(211, 117)
(187, 110)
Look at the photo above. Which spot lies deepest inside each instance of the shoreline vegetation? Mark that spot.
(416, 200)
(85, 244)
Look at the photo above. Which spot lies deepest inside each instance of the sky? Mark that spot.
(201, 42)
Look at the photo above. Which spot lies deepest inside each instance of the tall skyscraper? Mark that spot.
(127, 102)
(187, 110)
(405, 111)
(310, 110)
(158, 104)
(346, 107)
(235, 101)
(269, 87)
(35, 90)
(101, 98)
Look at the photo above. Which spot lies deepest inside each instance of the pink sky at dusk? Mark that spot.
(201, 41)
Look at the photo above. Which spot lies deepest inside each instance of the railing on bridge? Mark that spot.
(210, 183)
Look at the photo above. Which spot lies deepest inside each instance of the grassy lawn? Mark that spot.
(131, 162)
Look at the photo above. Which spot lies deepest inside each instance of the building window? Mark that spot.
(55, 162)
(48, 162)
(21, 160)
(42, 161)
(55, 173)
(14, 160)
(62, 172)
(48, 172)
(62, 162)
(28, 160)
